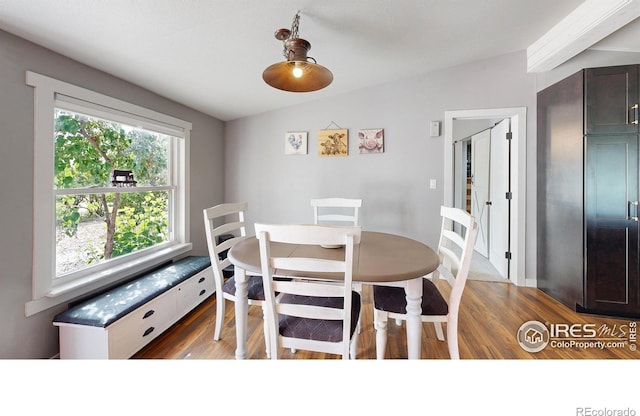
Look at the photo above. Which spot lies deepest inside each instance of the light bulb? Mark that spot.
(297, 72)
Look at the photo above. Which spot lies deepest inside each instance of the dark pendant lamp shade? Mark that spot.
(297, 73)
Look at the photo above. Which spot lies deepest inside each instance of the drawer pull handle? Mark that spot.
(148, 331)
(148, 314)
(202, 292)
(201, 280)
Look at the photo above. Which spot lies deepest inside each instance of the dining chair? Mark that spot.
(225, 227)
(336, 211)
(455, 249)
(312, 313)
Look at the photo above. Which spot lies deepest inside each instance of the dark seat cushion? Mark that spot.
(317, 329)
(254, 287)
(105, 308)
(393, 299)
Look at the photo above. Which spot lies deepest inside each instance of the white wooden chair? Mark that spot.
(455, 252)
(336, 211)
(311, 314)
(225, 227)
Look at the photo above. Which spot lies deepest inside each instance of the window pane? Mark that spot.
(88, 149)
(86, 234)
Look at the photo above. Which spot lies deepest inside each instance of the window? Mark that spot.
(110, 190)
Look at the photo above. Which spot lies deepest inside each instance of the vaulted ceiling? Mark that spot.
(210, 54)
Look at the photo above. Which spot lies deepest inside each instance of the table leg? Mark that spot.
(413, 291)
(241, 306)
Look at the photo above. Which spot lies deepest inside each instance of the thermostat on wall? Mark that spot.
(434, 128)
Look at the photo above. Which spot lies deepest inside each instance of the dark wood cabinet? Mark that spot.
(611, 225)
(588, 166)
(610, 96)
(560, 208)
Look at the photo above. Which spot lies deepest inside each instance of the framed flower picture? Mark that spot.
(371, 141)
(295, 143)
(333, 142)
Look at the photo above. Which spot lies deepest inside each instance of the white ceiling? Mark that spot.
(210, 54)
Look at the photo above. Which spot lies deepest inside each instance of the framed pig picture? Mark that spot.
(371, 141)
(295, 143)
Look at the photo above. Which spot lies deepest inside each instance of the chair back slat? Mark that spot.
(310, 311)
(228, 227)
(336, 210)
(454, 238)
(449, 259)
(307, 265)
(303, 288)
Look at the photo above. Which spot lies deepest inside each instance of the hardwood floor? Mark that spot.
(490, 316)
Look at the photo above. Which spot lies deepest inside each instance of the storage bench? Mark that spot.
(119, 322)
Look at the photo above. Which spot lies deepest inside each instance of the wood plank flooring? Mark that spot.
(490, 316)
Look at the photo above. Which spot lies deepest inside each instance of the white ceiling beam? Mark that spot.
(591, 22)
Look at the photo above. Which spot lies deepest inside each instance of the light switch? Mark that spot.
(434, 128)
(432, 183)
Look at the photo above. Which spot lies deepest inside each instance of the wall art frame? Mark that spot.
(371, 141)
(333, 142)
(296, 143)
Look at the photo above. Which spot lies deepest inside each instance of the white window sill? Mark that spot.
(80, 287)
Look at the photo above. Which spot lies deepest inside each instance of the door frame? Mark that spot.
(517, 225)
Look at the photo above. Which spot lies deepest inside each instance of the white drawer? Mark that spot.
(128, 334)
(194, 290)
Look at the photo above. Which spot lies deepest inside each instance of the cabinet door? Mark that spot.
(611, 98)
(611, 186)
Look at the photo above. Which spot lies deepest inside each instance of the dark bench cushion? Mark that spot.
(106, 308)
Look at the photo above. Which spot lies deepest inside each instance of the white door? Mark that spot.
(480, 180)
(499, 208)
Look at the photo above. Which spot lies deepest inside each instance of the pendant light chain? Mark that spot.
(295, 25)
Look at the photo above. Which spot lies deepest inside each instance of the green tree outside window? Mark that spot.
(86, 152)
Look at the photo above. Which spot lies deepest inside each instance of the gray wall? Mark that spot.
(36, 337)
(394, 185)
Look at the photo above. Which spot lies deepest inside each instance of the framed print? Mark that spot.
(333, 142)
(295, 143)
(371, 141)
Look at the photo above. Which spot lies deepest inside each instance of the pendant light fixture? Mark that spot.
(297, 73)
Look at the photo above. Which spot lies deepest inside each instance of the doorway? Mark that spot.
(483, 186)
(514, 234)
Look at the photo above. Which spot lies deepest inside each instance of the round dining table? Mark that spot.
(379, 259)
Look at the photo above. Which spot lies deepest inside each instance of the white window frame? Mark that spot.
(47, 291)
